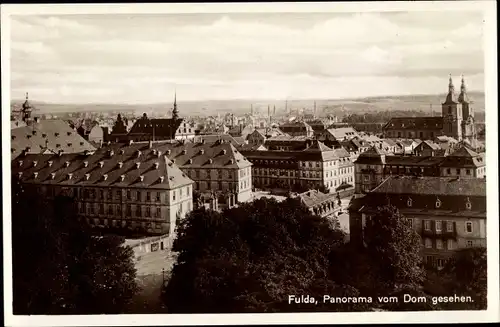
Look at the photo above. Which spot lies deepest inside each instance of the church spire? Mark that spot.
(463, 92)
(451, 98)
(175, 112)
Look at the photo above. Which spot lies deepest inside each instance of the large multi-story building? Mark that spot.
(126, 189)
(297, 128)
(374, 165)
(217, 169)
(457, 120)
(156, 129)
(316, 166)
(448, 213)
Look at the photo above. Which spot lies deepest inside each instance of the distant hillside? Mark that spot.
(338, 107)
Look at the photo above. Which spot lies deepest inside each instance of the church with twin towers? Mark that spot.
(456, 120)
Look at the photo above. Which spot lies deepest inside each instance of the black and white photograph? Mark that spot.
(286, 162)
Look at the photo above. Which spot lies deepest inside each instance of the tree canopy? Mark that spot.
(59, 267)
(251, 258)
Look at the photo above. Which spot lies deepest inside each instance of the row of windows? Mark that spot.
(439, 244)
(468, 204)
(111, 209)
(122, 223)
(219, 173)
(219, 186)
(458, 171)
(438, 225)
(409, 134)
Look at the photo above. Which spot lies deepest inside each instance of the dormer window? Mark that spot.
(85, 164)
(184, 151)
(81, 143)
(168, 152)
(35, 163)
(52, 175)
(210, 161)
(56, 134)
(157, 165)
(44, 135)
(141, 178)
(468, 204)
(111, 153)
(438, 203)
(223, 152)
(154, 152)
(70, 144)
(50, 163)
(120, 164)
(122, 151)
(137, 165)
(101, 164)
(70, 176)
(202, 151)
(35, 174)
(20, 163)
(162, 179)
(122, 177)
(138, 153)
(190, 161)
(409, 202)
(13, 137)
(20, 174)
(68, 133)
(58, 145)
(105, 176)
(66, 164)
(87, 177)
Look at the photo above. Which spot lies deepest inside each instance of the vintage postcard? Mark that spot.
(239, 163)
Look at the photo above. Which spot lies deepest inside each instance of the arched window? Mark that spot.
(438, 203)
(409, 202)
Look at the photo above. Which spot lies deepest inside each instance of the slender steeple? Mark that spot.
(463, 92)
(314, 109)
(451, 97)
(175, 112)
(286, 106)
(274, 110)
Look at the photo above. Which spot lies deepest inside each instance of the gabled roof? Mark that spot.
(429, 144)
(312, 198)
(317, 146)
(160, 127)
(463, 151)
(342, 133)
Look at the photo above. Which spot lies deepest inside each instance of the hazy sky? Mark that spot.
(144, 58)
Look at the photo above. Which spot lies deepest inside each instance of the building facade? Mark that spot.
(456, 120)
(375, 165)
(127, 191)
(448, 213)
(316, 166)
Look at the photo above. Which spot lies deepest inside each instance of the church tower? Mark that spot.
(175, 112)
(452, 114)
(468, 127)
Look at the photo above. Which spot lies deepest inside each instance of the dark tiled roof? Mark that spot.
(432, 185)
(312, 198)
(217, 137)
(165, 127)
(51, 135)
(421, 123)
(464, 157)
(103, 169)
